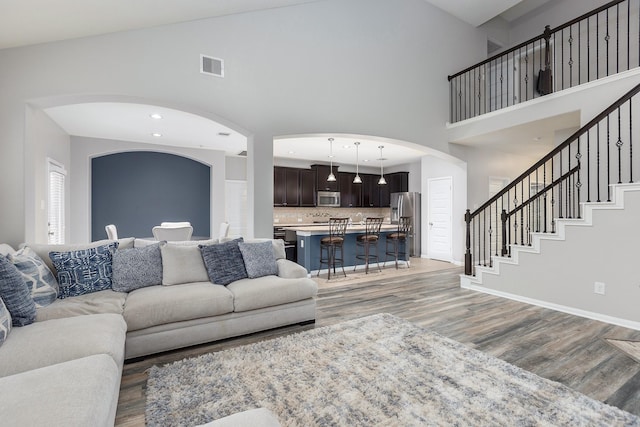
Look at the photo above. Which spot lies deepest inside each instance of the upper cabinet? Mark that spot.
(307, 193)
(322, 173)
(293, 187)
(285, 186)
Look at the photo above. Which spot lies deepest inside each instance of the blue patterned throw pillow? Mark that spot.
(259, 259)
(224, 262)
(84, 271)
(43, 286)
(5, 322)
(137, 268)
(16, 294)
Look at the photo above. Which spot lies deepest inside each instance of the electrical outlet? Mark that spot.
(599, 288)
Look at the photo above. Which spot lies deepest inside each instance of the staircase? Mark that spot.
(564, 234)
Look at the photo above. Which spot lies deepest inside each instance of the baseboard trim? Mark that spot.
(557, 307)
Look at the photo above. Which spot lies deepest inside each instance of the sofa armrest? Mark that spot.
(290, 270)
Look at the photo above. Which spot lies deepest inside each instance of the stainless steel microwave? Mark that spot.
(328, 199)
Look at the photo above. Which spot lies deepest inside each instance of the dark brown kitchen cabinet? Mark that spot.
(398, 182)
(322, 172)
(350, 193)
(370, 191)
(285, 186)
(307, 189)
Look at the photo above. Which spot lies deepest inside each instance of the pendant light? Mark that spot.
(381, 181)
(357, 179)
(331, 177)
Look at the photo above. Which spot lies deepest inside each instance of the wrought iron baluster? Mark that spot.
(571, 56)
(598, 163)
(588, 166)
(630, 142)
(606, 39)
(608, 160)
(579, 53)
(619, 144)
(560, 189)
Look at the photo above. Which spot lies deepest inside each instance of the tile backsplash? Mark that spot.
(309, 215)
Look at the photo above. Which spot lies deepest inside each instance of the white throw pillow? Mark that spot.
(182, 264)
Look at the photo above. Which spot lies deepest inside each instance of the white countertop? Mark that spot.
(314, 230)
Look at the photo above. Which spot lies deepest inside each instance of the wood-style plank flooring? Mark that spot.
(561, 347)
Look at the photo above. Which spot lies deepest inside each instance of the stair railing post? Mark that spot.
(468, 268)
(503, 219)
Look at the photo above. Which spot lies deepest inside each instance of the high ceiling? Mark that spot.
(55, 20)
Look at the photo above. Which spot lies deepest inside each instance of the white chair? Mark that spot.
(176, 224)
(112, 232)
(224, 230)
(172, 234)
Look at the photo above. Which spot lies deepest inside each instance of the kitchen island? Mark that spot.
(308, 245)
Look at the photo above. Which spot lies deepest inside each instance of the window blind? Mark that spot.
(56, 212)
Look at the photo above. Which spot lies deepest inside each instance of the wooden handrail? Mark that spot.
(540, 37)
(584, 129)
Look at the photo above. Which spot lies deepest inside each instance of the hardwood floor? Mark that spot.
(561, 347)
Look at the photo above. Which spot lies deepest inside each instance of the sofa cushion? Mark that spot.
(224, 262)
(5, 322)
(44, 287)
(157, 305)
(259, 417)
(60, 340)
(85, 270)
(16, 294)
(77, 393)
(43, 249)
(137, 268)
(268, 291)
(94, 303)
(259, 259)
(182, 264)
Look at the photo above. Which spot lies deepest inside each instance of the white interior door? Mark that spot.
(439, 205)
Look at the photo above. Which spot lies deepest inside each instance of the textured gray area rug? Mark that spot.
(374, 371)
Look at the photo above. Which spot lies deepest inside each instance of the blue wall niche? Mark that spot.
(140, 189)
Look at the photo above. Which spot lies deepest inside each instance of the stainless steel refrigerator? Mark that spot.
(408, 204)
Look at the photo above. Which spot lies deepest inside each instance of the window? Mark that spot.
(56, 225)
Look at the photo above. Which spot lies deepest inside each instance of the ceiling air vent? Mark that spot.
(212, 66)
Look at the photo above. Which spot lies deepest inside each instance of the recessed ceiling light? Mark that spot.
(223, 134)
(365, 160)
(346, 146)
(292, 152)
(156, 134)
(537, 138)
(155, 116)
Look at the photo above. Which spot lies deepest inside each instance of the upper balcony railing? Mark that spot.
(597, 44)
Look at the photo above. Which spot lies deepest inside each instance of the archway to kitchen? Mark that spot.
(406, 166)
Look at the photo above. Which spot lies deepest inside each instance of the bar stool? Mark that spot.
(400, 236)
(331, 244)
(369, 238)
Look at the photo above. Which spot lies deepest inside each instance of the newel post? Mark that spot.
(545, 79)
(468, 268)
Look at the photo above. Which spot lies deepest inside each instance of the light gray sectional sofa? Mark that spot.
(70, 359)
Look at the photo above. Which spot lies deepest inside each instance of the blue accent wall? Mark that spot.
(140, 189)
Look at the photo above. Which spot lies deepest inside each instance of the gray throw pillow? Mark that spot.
(5, 322)
(44, 287)
(84, 271)
(16, 294)
(259, 259)
(137, 268)
(224, 262)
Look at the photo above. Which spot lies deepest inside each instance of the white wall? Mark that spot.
(434, 167)
(371, 67)
(84, 149)
(45, 139)
(483, 163)
(564, 272)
